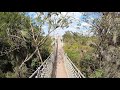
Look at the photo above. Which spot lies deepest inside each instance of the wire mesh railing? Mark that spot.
(71, 69)
(45, 70)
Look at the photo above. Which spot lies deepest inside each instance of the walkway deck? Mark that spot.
(60, 67)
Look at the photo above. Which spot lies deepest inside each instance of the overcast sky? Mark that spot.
(77, 16)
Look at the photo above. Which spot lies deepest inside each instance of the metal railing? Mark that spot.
(71, 69)
(45, 70)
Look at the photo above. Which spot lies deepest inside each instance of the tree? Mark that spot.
(12, 42)
(106, 29)
(54, 21)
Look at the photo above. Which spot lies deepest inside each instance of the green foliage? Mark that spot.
(10, 75)
(35, 63)
(87, 57)
(105, 56)
(74, 56)
(97, 74)
(2, 75)
(16, 42)
(18, 73)
(78, 50)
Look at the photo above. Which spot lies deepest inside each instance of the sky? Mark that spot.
(73, 26)
(83, 28)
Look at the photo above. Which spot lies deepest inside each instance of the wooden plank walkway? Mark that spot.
(60, 71)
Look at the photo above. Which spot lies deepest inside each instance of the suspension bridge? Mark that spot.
(57, 65)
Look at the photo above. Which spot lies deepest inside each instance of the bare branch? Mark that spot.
(36, 43)
(27, 59)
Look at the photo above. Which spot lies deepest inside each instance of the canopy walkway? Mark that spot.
(57, 65)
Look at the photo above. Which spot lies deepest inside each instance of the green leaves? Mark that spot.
(88, 57)
(97, 74)
(34, 61)
(79, 52)
(16, 38)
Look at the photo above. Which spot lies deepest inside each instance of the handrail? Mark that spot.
(75, 66)
(40, 66)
